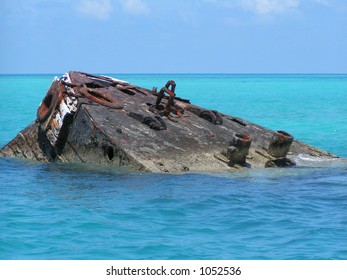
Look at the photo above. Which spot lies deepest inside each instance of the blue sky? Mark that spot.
(173, 36)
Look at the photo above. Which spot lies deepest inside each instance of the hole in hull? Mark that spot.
(109, 153)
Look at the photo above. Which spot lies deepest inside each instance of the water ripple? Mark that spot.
(53, 211)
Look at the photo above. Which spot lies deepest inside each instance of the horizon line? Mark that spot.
(185, 73)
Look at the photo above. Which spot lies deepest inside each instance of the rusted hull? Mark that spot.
(100, 120)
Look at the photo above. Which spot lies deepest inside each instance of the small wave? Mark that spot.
(308, 160)
(307, 157)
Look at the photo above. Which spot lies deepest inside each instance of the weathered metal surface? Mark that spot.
(97, 119)
(238, 149)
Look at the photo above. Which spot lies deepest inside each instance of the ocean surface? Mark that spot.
(73, 211)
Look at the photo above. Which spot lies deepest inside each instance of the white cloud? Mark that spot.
(260, 6)
(96, 9)
(269, 6)
(136, 7)
(323, 2)
(224, 3)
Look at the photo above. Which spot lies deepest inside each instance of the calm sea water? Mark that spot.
(58, 211)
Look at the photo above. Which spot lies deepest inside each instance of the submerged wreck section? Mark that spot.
(101, 120)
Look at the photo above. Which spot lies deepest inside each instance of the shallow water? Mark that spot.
(72, 211)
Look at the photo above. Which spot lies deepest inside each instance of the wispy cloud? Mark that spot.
(136, 7)
(323, 2)
(260, 6)
(269, 6)
(96, 9)
(19, 10)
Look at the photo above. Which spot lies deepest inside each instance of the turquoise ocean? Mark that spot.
(72, 211)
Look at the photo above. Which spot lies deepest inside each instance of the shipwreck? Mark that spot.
(95, 119)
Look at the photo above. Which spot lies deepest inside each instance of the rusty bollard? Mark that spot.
(280, 144)
(238, 148)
